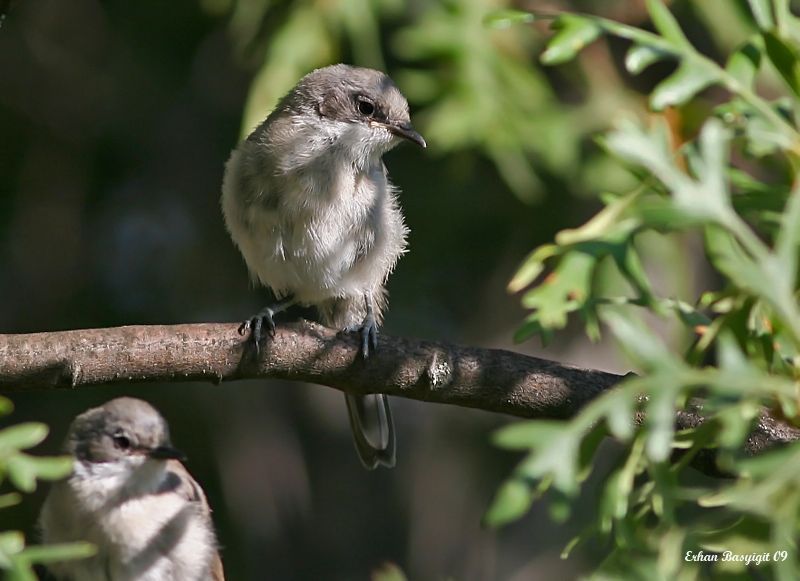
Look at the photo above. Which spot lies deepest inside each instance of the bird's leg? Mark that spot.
(368, 329)
(264, 318)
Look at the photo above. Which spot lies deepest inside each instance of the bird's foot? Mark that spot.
(368, 333)
(260, 326)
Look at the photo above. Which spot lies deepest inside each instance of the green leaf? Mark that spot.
(525, 435)
(641, 344)
(665, 23)
(51, 467)
(6, 406)
(574, 33)
(588, 446)
(785, 58)
(608, 224)
(21, 571)
(532, 267)
(762, 11)
(507, 18)
(736, 423)
(533, 328)
(641, 56)
(21, 473)
(563, 291)
(747, 535)
(11, 543)
(24, 470)
(660, 422)
(787, 243)
(619, 414)
(744, 63)
(512, 500)
(662, 214)
(766, 279)
(10, 499)
(59, 552)
(682, 85)
(22, 436)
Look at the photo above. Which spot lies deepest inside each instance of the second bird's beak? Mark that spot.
(406, 131)
(166, 453)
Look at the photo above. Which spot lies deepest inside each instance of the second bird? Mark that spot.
(307, 201)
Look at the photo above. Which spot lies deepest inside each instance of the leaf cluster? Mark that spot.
(733, 185)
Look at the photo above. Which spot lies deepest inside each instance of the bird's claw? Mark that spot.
(368, 335)
(256, 325)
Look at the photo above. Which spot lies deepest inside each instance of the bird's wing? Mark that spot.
(188, 488)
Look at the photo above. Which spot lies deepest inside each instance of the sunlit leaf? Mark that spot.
(660, 421)
(524, 435)
(641, 56)
(762, 11)
(506, 18)
(11, 542)
(785, 58)
(563, 291)
(59, 552)
(6, 407)
(22, 436)
(665, 23)
(787, 244)
(681, 86)
(532, 267)
(574, 33)
(21, 472)
(643, 346)
(9, 499)
(513, 499)
(744, 63)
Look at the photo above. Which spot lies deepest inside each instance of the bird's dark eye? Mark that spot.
(365, 107)
(122, 442)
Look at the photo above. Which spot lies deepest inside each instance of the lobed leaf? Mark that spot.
(641, 56)
(785, 58)
(22, 436)
(762, 12)
(513, 499)
(682, 85)
(744, 63)
(574, 33)
(507, 17)
(665, 23)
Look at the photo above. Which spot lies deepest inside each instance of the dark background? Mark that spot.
(116, 119)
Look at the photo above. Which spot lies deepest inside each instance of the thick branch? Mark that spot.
(488, 379)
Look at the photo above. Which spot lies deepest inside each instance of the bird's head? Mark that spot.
(351, 109)
(121, 435)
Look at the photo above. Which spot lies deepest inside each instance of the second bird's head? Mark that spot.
(120, 438)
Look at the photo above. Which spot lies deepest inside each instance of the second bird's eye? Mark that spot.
(365, 107)
(122, 442)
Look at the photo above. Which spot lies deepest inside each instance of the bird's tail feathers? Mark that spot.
(373, 429)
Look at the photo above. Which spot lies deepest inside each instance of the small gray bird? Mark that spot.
(307, 201)
(130, 496)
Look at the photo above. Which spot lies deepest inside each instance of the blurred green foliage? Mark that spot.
(23, 470)
(472, 85)
(733, 181)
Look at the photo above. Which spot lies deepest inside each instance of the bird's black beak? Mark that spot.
(406, 131)
(166, 453)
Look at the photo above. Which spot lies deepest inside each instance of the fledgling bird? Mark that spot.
(307, 201)
(130, 496)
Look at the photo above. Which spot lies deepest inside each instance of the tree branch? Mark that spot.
(488, 379)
